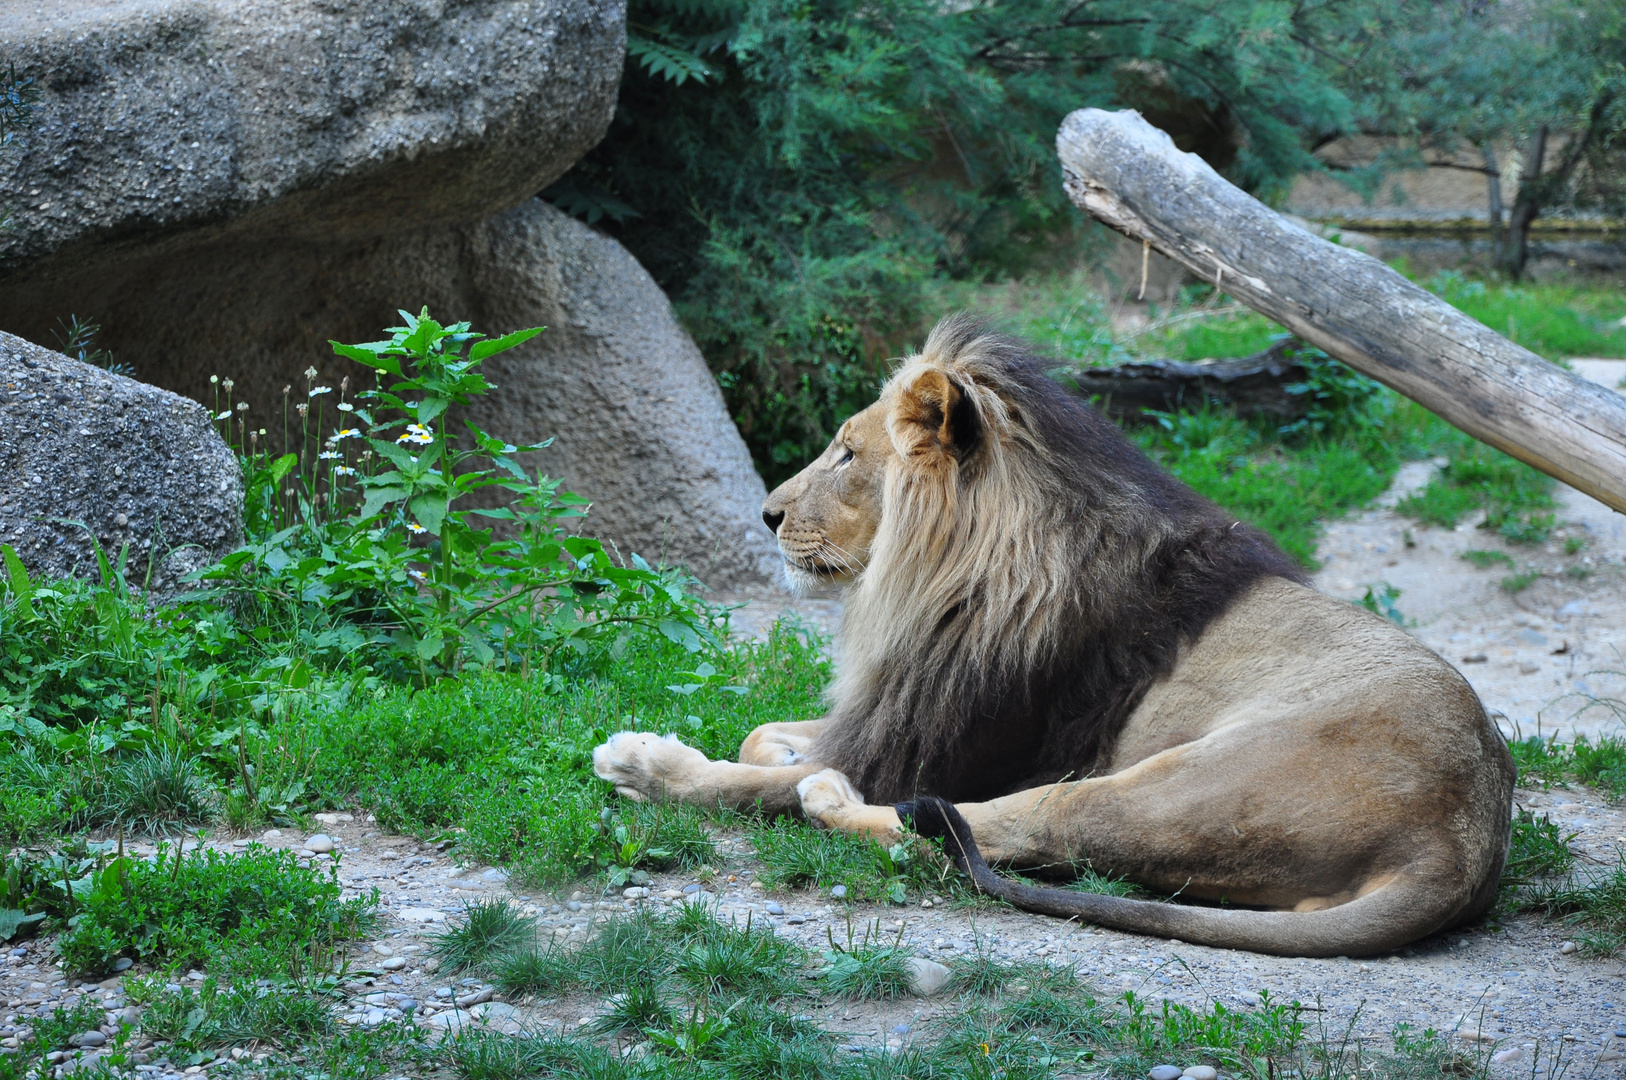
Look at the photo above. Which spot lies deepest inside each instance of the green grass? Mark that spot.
(490, 929)
(1484, 560)
(866, 966)
(1517, 500)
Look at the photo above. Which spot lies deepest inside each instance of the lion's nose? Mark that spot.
(773, 519)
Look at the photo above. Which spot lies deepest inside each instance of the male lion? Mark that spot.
(1098, 664)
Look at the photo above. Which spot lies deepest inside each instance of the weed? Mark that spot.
(866, 968)
(54, 1031)
(1517, 583)
(639, 1007)
(157, 788)
(1574, 544)
(1577, 573)
(736, 961)
(216, 1015)
(206, 905)
(1484, 560)
(1593, 900)
(1380, 600)
(1538, 850)
(794, 854)
(659, 836)
(481, 1054)
(1600, 763)
(490, 929)
(1088, 879)
(1514, 496)
(546, 969)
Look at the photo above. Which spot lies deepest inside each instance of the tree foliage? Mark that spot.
(794, 171)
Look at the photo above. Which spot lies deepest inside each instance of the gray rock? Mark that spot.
(491, 1011)
(773, 907)
(450, 1020)
(1201, 1072)
(277, 177)
(474, 999)
(91, 1038)
(123, 963)
(374, 1017)
(927, 977)
(838, 892)
(394, 963)
(320, 843)
(1164, 1072)
(134, 463)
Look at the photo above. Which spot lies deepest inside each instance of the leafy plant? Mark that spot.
(866, 968)
(1380, 600)
(408, 571)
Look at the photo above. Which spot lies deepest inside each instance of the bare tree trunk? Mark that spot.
(1526, 205)
(1128, 174)
(1493, 190)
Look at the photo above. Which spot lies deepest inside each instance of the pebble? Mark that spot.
(1504, 1057)
(474, 999)
(773, 907)
(1620, 1033)
(839, 892)
(451, 1020)
(1164, 1072)
(374, 1017)
(1566, 948)
(574, 905)
(691, 888)
(123, 963)
(271, 834)
(1201, 1072)
(637, 892)
(394, 963)
(321, 843)
(92, 1038)
(423, 914)
(383, 950)
(796, 920)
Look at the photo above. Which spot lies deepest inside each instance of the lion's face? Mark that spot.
(826, 515)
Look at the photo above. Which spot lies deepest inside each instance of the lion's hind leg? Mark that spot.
(781, 744)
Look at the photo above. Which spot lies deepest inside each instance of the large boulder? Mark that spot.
(225, 185)
(135, 465)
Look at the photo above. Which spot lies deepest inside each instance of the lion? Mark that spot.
(1056, 655)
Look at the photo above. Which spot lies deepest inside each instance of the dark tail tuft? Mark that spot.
(936, 818)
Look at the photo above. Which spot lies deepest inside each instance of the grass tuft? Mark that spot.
(865, 968)
(490, 929)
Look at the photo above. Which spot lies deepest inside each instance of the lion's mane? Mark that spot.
(1016, 607)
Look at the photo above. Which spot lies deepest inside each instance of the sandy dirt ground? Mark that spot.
(1546, 659)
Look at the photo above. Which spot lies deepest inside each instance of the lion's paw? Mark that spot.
(829, 798)
(645, 767)
(771, 748)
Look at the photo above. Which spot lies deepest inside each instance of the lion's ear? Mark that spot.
(933, 418)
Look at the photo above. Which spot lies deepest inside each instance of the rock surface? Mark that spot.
(226, 185)
(136, 464)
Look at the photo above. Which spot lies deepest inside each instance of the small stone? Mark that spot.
(271, 834)
(450, 1020)
(383, 950)
(130, 1015)
(92, 1038)
(1201, 1072)
(1529, 667)
(445, 992)
(838, 892)
(759, 886)
(374, 1017)
(394, 963)
(123, 963)
(774, 907)
(925, 903)
(321, 843)
(195, 975)
(305, 853)
(1611, 1055)
(474, 999)
(577, 897)
(691, 888)
(670, 894)
(796, 920)
(574, 905)
(901, 1029)
(1475, 658)
(423, 915)
(495, 874)
(492, 1010)
(1164, 1072)
(637, 892)
(328, 819)
(1566, 948)
(1620, 1033)
(928, 977)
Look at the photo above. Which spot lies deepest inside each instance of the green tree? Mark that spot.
(793, 172)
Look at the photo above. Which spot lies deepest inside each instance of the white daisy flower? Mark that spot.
(320, 390)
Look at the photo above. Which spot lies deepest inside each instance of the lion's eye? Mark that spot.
(846, 456)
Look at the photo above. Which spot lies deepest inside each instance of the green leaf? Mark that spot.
(492, 346)
(282, 467)
(371, 355)
(671, 63)
(21, 587)
(430, 510)
(378, 498)
(681, 633)
(429, 646)
(431, 407)
(16, 923)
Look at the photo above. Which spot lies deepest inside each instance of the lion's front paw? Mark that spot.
(645, 767)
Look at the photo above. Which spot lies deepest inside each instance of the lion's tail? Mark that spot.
(1382, 920)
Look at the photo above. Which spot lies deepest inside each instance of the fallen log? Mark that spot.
(1256, 385)
(1129, 175)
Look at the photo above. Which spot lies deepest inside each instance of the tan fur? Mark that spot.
(1302, 756)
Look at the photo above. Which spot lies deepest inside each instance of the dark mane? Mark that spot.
(1140, 564)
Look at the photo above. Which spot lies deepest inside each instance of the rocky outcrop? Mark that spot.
(226, 185)
(136, 465)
